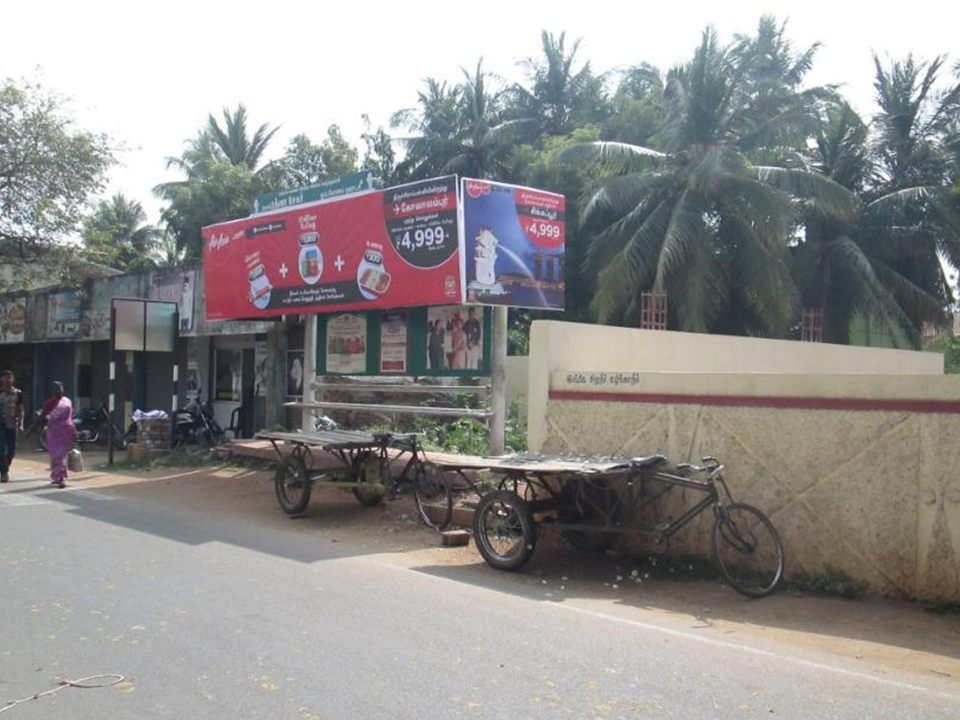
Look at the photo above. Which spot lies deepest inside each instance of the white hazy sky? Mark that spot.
(149, 73)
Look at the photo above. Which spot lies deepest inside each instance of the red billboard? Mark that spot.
(392, 248)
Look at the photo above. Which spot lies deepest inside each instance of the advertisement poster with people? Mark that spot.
(513, 245)
(454, 338)
(346, 344)
(63, 315)
(13, 320)
(387, 249)
(393, 342)
(178, 288)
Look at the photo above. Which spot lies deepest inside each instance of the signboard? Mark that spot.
(338, 187)
(13, 320)
(63, 315)
(346, 351)
(144, 325)
(513, 245)
(177, 288)
(386, 249)
(393, 342)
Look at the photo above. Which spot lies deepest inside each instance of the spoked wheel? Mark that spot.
(747, 550)
(594, 503)
(374, 472)
(293, 485)
(433, 496)
(504, 530)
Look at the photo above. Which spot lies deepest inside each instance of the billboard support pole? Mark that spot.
(498, 382)
(309, 369)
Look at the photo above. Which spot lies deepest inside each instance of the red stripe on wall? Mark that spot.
(802, 403)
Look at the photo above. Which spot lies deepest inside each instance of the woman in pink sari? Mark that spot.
(61, 434)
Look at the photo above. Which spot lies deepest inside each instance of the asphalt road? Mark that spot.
(218, 615)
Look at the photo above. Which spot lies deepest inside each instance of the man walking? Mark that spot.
(11, 420)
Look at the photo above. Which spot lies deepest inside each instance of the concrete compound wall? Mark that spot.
(850, 451)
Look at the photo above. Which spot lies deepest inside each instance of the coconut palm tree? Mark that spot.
(235, 142)
(698, 217)
(117, 234)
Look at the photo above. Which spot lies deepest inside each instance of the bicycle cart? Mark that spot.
(591, 502)
(360, 462)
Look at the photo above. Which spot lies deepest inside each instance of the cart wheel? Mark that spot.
(375, 470)
(293, 485)
(504, 530)
(434, 499)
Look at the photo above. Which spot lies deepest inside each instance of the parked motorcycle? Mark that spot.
(92, 424)
(195, 424)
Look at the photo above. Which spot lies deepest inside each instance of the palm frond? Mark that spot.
(614, 156)
(826, 196)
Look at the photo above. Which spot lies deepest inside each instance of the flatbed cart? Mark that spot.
(360, 462)
(591, 502)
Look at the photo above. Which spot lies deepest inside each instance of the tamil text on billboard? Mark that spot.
(513, 245)
(393, 248)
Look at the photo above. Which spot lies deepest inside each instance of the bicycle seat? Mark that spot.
(648, 461)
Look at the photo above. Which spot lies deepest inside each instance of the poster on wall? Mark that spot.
(95, 324)
(260, 369)
(13, 320)
(63, 315)
(393, 342)
(513, 245)
(454, 338)
(295, 374)
(177, 287)
(391, 248)
(346, 344)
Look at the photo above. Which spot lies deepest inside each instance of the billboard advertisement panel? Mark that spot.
(513, 245)
(393, 248)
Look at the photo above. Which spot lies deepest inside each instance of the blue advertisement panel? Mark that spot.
(514, 243)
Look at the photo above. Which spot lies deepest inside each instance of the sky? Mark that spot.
(148, 74)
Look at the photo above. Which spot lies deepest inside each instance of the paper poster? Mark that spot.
(454, 338)
(13, 320)
(347, 344)
(63, 315)
(393, 342)
(296, 377)
(261, 373)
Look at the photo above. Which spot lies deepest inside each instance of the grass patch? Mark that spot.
(830, 581)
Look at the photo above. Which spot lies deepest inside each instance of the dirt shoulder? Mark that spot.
(887, 634)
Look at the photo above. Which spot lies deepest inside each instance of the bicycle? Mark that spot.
(589, 512)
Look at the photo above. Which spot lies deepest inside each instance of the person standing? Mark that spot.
(61, 433)
(11, 421)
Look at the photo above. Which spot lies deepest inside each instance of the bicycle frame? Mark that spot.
(576, 495)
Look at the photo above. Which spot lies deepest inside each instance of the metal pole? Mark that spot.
(309, 369)
(498, 380)
(110, 406)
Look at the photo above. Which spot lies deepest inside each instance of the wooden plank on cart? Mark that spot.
(344, 439)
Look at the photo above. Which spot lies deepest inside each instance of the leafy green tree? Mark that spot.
(50, 171)
(637, 108)
(306, 163)
(698, 217)
(379, 155)
(117, 234)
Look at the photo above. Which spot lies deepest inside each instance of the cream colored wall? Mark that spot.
(873, 492)
(600, 348)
